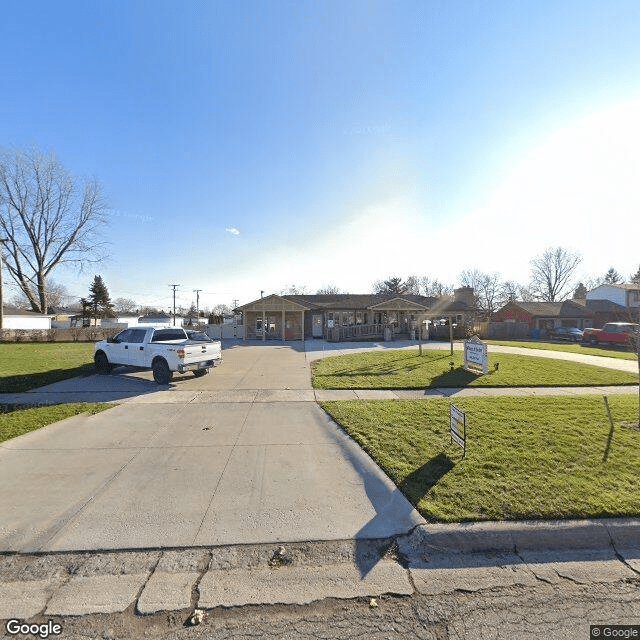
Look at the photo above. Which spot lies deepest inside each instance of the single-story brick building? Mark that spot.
(348, 316)
(545, 316)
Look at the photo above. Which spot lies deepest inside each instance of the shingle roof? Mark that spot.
(12, 311)
(602, 306)
(565, 309)
(348, 301)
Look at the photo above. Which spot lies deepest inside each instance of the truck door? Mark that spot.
(117, 349)
(135, 348)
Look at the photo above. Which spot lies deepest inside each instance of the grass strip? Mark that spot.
(405, 369)
(25, 366)
(569, 348)
(18, 420)
(526, 458)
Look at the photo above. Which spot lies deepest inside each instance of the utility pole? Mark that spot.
(175, 286)
(2, 241)
(197, 292)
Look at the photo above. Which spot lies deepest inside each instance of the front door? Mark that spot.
(316, 326)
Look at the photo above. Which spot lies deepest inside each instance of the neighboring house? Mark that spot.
(119, 321)
(160, 318)
(348, 316)
(18, 319)
(624, 294)
(604, 311)
(545, 316)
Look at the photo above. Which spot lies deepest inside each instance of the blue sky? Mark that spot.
(245, 146)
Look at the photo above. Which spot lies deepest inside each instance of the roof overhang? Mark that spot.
(398, 304)
(273, 303)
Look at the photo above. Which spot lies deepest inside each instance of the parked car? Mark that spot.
(613, 332)
(161, 350)
(573, 334)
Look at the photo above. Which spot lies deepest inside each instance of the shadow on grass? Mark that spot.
(28, 381)
(389, 367)
(458, 377)
(418, 483)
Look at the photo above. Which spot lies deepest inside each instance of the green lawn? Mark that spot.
(526, 458)
(405, 369)
(16, 421)
(25, 366)
(571, 348)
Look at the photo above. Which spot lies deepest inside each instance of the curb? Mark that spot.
(529, 536)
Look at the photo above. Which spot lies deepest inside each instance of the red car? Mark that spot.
(613, 333)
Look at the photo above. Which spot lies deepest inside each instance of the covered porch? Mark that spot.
(273, 318)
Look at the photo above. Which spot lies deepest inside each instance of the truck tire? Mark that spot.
(103, 367)
(198, 373)
(161, 372)
(593, 340)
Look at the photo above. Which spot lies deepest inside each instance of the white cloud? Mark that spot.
(233, 231)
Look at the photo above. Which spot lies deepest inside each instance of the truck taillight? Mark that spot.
(180, 353)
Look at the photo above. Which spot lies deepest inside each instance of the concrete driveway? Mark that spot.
(243, 455)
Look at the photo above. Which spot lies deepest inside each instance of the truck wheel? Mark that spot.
(161, 372)
(102, 364)
(594, 341)
(198, 373)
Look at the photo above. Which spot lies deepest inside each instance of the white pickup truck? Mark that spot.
(161, 350)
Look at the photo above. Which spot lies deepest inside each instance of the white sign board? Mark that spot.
(458, 427)
(476, 356)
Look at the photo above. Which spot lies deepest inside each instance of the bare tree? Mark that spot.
(328, 289)
(294, 289)
(551, 273)
(125, 305)
(48, 217)
(486, 289)
(412, 285)
(57, 296)
(509, 292)
(222, 310)
(434, 288)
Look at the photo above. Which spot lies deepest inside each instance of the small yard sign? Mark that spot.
(475, 356)
(458, 426)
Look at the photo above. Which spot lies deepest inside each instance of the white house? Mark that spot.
(18, 319)
(123, 321)
(624, 294)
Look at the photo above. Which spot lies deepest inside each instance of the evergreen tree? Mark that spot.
(580, 293)
(99, 299)
(612, 277)
(392, 285)
(636, 277)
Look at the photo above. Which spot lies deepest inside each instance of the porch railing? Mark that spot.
(355, 332)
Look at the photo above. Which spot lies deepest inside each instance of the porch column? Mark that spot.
(264, 328)
(302, 325)
(283, 336)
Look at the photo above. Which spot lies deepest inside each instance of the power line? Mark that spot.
(197, 292)
(175, 286)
